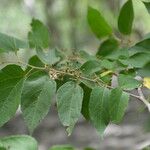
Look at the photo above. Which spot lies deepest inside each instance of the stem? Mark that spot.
(143, 99)
(77, 76)
(23, 63)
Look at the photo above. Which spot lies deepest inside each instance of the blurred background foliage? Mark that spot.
(66, 19)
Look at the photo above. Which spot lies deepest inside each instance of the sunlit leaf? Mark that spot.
(146, 82)
(19, 142)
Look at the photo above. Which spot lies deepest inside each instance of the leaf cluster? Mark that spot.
(81, 82)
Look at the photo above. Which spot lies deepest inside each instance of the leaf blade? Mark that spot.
(98, 24)
(11, 83)
(36, 99)
(69, 102)
(19, 142)
(98, 108)
(11, 44)
(38, 37)
(117, 105)
(126, 16)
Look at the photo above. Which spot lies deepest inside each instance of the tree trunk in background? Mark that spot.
(52, 24)
(73, 23)
(114, 5)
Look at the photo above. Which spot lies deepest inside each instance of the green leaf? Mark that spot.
(90, 67)
(99, 108)
(62, 147)
(39, 36)
(117, 105)
(126, 17)
(19, 142)
(145, 71)
(110, 65)
(11, 82)
(35, 61)
(107, 47)
(141, 47)
(98, 24)
(36, 98)
(127, 82)
(147, 5)
(118, 53)
(11, 44)
(85, 103)
(48, 56)
(86, 56)
(69, 103)
(139, 60)
(89, 83)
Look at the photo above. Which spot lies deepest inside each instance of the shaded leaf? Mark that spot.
(86, 56)
(11, 82)
(147, 5)
(90, 67)
(127, 82)
(98, 24)
(126, 17)
(117, 105)
(48, 56)
(107, 47)
(144, 71)
(89, 83)
(141, 47)
(11, 44)
(69, 103)
(85, 103)
(38, 36)
(98, 108)
(36, 98)
(139, 60)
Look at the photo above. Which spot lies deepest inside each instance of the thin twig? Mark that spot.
(95, 80)
(143, 99)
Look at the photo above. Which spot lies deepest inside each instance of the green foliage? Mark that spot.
(11, 44)
(90, 67)
(11, 82)
(117, 105)
(81, 82)
(39, 35)
(19, 142)
(36, 98)
(69, 102)
(130, 85)
(99, 108)
(147, 5)
(107, 47)
(48, 56)
(98, 24)
(126, 17)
